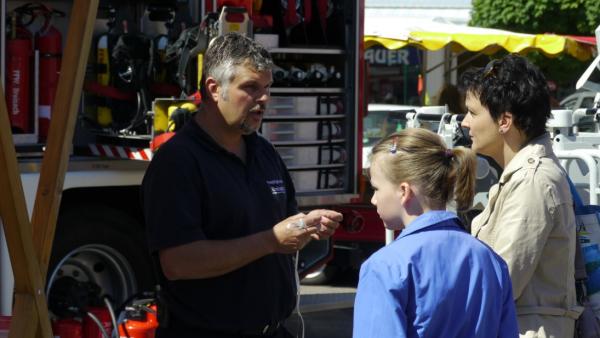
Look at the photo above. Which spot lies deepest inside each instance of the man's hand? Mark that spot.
(293, 233)
(327, 221)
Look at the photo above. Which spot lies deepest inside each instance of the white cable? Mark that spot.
(115, 332)
(298, 224)
(99, 323)
(297, 276)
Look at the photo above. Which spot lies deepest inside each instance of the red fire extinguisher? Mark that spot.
(48, 41)
(18, 76)
(140, 326)
(67, 328)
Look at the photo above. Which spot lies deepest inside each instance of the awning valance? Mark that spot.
(394, 33)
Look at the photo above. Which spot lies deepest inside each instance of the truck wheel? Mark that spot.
(321, 276)
(102, 246)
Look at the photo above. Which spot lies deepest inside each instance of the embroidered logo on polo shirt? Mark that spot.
(277, 187)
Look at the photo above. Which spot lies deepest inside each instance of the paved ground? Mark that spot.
(327, 310)
(324, 324)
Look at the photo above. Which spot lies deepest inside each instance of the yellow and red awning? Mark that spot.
(394, 33)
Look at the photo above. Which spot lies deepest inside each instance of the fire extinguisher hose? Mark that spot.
(112, 316)
(97, 321)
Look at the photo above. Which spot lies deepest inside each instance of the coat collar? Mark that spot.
(528, 156)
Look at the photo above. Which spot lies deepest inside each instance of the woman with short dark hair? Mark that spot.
(529, 219)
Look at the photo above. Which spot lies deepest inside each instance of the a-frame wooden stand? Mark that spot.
(30, 243)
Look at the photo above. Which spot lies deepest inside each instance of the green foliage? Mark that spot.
(592, 13)
(576, 17)
(569, 17)
(564, 69)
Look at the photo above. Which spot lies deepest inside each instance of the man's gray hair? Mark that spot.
(226, 52)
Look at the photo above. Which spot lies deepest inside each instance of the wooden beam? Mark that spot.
(22, 325)
(29, 264)
(28, 280)
(60, 134)
(62, 125)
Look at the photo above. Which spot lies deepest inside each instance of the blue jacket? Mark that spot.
(435, 280)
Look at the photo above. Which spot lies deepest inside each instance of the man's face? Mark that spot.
(483, 130)
(244, 102)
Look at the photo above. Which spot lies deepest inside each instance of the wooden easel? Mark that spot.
(30, 243)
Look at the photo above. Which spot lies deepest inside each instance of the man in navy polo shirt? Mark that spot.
(219, 202)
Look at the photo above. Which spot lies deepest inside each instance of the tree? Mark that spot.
(575, 17)
(567, 17)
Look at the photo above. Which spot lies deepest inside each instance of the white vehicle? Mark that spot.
(380, 122)
(580, 99)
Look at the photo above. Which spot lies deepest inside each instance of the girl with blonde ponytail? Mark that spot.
(435, 279)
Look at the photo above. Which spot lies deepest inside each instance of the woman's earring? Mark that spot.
(501, 131)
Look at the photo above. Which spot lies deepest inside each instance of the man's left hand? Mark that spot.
(327, 220)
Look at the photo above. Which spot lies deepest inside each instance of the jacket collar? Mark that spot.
(528, 156)
(428, 219)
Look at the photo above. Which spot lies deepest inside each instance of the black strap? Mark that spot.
(162, 314)
(580, 273)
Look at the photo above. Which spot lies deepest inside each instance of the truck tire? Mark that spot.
(104, 246)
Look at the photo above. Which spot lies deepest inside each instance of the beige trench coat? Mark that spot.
(529, 221)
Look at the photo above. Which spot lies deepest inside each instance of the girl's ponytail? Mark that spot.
(462, 173)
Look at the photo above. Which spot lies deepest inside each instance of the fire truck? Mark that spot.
(142, 71)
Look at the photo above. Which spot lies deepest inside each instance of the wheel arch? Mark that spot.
(124, 199)
(98, 220)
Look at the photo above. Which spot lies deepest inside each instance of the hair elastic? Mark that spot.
(394, 146)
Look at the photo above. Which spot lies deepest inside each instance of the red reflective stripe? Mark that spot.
(100, 149)
(143, 154)
(129, 153)
(115, 151)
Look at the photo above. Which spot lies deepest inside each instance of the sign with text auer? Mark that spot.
(381, 56)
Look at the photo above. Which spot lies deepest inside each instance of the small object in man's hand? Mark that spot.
(297, 224)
